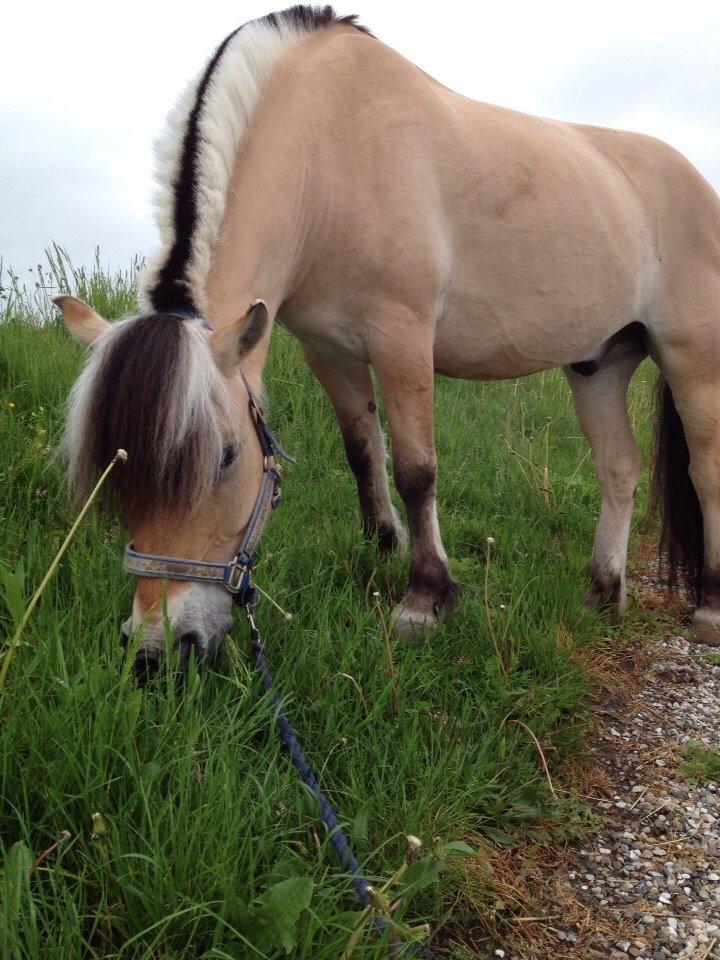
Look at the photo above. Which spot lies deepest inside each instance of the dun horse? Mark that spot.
(394, 225)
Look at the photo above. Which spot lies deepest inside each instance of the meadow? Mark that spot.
(206, 845)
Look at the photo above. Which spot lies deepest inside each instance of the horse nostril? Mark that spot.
(147, 664)
(186, 643)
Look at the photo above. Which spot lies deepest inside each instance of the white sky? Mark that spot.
(85, 86)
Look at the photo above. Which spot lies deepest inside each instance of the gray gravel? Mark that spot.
(654, 871)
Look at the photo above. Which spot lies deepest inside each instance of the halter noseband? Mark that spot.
(235, 576)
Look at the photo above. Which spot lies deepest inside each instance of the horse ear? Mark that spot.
(81, 320)
(234, 344)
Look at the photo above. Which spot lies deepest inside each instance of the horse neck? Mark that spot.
(262, 243)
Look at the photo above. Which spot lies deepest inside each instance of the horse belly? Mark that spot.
(503, 338)
(551, 249)
(516, 307)
(463, 359)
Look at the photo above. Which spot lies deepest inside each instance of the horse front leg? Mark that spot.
(405, 377)
(350, 389)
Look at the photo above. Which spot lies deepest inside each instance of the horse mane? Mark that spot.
(151, 387)
(195, 155)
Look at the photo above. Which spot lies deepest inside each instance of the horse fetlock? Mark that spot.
(392, 535)
(607, 592)
(447, 598)
(706, 626)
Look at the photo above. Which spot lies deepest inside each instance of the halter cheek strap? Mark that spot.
(235, 576)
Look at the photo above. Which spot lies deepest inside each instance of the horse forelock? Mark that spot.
(151, 387)
(195, 155)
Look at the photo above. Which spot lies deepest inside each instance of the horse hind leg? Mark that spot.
(687, 488)
(686, 471)
(600, 400)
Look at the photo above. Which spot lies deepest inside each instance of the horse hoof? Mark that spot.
(706, 627)
(407, 622)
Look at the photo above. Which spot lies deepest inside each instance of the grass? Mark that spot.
(206, 844)
(700, 764)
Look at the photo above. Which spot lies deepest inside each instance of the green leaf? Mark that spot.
(499, 836)
(456, 848)
(360, 826)
(18, 864)
(281, 906)
(16, 872)
(422, 873)
(12, 584)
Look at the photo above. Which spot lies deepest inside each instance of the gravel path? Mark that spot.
(647, 885)
(654, 871)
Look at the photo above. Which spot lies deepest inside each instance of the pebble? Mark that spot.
(654, 867)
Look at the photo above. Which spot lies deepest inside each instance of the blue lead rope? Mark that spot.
(290, 742)
(307, 775)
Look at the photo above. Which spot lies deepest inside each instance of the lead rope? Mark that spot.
(328, 813)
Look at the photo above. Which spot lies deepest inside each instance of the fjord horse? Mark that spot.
(393, 225)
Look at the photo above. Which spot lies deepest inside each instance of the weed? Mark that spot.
(700, 764)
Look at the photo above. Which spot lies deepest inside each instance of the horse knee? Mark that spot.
(415, 483)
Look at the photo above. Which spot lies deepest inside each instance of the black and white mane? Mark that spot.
(196, 154)
(151, 385)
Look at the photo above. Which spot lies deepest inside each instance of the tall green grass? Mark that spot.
(210, 846)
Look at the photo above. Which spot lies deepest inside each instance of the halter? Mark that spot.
(235, 576)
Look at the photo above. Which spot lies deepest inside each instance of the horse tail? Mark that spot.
(673, 499)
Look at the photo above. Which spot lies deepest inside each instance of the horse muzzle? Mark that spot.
(198, 617)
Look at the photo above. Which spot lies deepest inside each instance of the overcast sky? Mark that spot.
(84, 88)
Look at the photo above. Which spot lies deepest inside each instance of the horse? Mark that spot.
(313, 177)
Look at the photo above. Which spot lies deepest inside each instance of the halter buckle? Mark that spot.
(236, 574)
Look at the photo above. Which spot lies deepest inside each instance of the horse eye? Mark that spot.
(229, 454)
